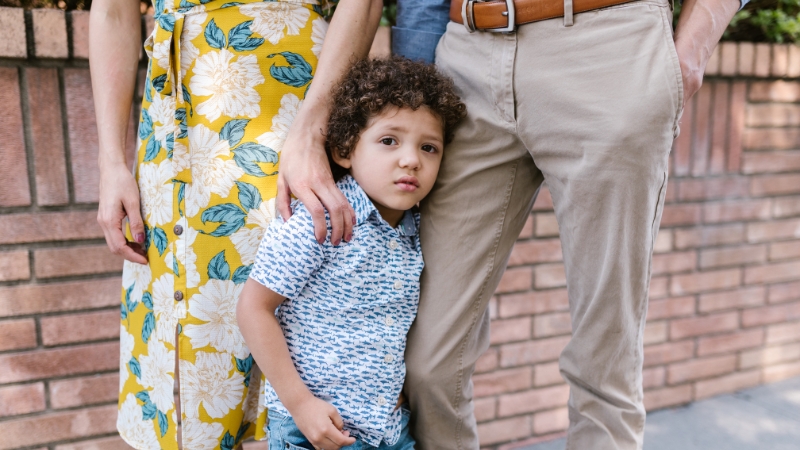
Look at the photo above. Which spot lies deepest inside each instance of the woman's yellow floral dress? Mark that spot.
(225, 80)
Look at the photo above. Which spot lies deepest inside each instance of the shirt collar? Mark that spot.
(364, 207)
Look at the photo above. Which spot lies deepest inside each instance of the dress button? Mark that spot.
(398, 285)
(178, 296)
(393, 244)
(178, 230)
(388, 358)
(389, 321)
(381, 400)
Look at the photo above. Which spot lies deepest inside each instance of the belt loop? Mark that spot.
(568, 13)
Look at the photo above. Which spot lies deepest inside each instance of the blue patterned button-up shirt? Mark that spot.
(348, 309)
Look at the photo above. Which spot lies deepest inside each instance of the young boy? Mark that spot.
(327, 324)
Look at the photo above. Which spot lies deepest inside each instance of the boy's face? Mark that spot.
(397, 158)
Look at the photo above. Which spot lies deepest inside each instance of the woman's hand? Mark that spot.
(321, 424)
(119, 197)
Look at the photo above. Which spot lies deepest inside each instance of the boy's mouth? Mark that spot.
(408, 184)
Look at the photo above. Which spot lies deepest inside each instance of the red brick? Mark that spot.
(779, 293)
(727, 60)
(546, 225)
(21, 399)
(775, 91)
(712, 67)
(671, 307)
(493, 308)
(82, 133)
(732, 256)
(665, 397)
(532, 400)
(33, 299)
(780, 60)
(533, 303)
(551, 324)
(527, 229)
(658, 287)
(701, 136)
(771, 314)
(26, 366)
(68, 425)
(17, 334)
(780, 372)
(544, 201)
(783, 332)
(773, 115)
(737, 211)
(709, 236)
(683, 143)
(510, 330)
(83, 327)
(697, 326)
(80, 260)
(705, 281)
(775, 185)
(726, 384)
(80, 34)
(14, 184)
(746, 56)
(488, 361)
(549, 276)
(502, 381)
(515, 279)
(550, 421)
(784, 250)
(50, 33)
(712, 188)
(547, 374)
(739, 298)
(771, 162)
(771, 273)
(109, 443)
(732, 342)
(762, 60)
(700, 368)
(736, 128)
(12, 33)
(770, 355)
(53, 226)
(14, 266)
(485, 409)
(771, 138)
(656, 355)
(671, 196)
(532, 351)
(84, 391)
(504, 430)
(787, 206)
(653, 377)
(535, 251)
(719, 131)
(794, 62)
(674, 262)
(655, 332)
(47, 136)
(663, 241)
(681, 214)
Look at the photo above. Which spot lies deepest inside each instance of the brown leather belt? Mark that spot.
(494, 15)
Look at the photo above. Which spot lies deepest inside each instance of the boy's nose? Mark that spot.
(409, 159)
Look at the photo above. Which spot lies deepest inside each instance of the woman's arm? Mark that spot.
(318, 420)
(114, 45)
(304, 169)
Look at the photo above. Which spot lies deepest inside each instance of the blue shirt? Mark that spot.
(348, 309)
(420, 24)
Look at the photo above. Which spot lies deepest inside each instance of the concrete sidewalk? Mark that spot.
(763, 418)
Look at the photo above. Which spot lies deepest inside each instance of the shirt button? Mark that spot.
(178, 230)
(398, 285)
(393, 244)
(381, 400)
(178, 296)
(388, 358)
(389, 321)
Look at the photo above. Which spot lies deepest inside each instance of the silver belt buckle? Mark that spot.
(468, 16)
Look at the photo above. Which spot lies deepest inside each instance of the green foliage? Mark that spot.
(764, 21)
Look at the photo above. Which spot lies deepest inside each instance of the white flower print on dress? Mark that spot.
(162, 112)
(207, 382)
(155, 188)
(136, 432)
(319, 28)
(215, 305)
(161, 53)
(229, 83)
(125, 354)
(192, 27)
(184, 250)
(138, 275)
(290, 105)
(166, 309)
(158, 365)
(210, 173)
(271, 19)
(198, 435)
(246, 239)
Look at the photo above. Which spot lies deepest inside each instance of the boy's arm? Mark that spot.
(318, 420)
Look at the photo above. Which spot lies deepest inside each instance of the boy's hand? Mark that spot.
(321, 424)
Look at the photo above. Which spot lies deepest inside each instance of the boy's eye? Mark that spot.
(428, 148)
(388, 141)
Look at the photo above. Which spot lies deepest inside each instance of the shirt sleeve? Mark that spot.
(420, 24)
(288, 255)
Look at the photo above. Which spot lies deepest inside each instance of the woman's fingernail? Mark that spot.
(354, 220)
(349, 237)
(140, 238)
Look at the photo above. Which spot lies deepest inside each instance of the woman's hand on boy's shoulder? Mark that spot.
(321, 423)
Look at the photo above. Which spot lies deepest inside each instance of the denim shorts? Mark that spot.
(284, 435)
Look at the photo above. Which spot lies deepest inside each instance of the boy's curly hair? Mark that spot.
(372, 85)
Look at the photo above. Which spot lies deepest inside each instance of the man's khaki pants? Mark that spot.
(592, 110)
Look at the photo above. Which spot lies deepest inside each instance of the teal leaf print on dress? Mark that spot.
(175, 267)
(242, 431)
(147, 86)
(239, 38)
(130, 303)
(187, 97)
(147, 300)
(123, 311)
(148, 326)
(248, 154)
(180, 115)
(214, 36)
(163, 423)
(159, 82)
(228, 5)
(297, 74)
(241, 274)
(218, 268)
(160, 240)
(227, 442)
(185, 6)
(233, 131)
(245, 366)
(153, 148)
(167, 21)
(146, 126)
(229, 215)
(249, 196)
(136, 369)
(149, 411)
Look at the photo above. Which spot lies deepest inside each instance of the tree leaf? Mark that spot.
(214, 36)
(249, 197)
(148, 326)
(233, 131)
(249, 154)
(218, 268)
(296, 74)
(240, 275)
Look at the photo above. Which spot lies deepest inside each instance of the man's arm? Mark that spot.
(700, 26)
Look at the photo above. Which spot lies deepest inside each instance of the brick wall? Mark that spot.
(725, 308)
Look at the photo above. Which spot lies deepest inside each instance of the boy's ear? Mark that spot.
(343, 162)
